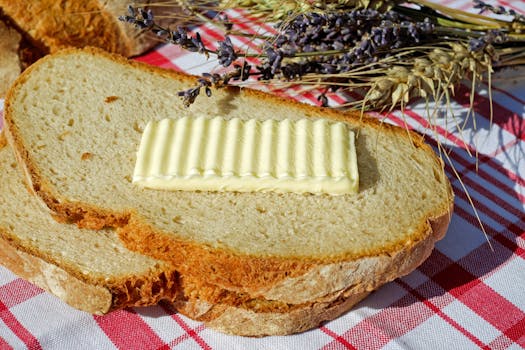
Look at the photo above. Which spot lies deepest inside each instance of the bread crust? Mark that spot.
(244, 322)
(3, 140)
(269, 277)
(10, 65)
(291, 280)
(53, 25)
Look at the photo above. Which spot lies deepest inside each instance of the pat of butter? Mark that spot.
(217, 154)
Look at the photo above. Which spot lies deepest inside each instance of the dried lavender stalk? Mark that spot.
(333, 46)
(317, 43)
(498, 10)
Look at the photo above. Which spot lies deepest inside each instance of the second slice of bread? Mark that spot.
(75, 120)
(92, 271)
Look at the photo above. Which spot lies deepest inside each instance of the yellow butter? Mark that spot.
(216, 154)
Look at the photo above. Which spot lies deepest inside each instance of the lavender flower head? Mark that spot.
(226, 52)
(139, 17)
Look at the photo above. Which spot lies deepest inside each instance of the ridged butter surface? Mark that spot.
(216, 154)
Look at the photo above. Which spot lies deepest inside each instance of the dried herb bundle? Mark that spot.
(389, 51)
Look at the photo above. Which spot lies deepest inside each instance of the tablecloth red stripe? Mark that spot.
(247, 41)
(175, 342)
(511, 5)
(4, 345)
(501, 342)
(127, 330)
(494, 308)
(509, 94)
(18, 328)
(194, 334)
(517, 333)
(436, 309)
(155, 58)
(338, 339)
(249, 21)
(210, 36)
(17, 291)
(503, 117)
(512, 246)
(395, 321)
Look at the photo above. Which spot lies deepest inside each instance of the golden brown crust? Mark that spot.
(53, 25)
(285, 279)
(220, 267)
(3, 140)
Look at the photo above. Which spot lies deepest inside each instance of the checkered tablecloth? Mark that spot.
(469, 294)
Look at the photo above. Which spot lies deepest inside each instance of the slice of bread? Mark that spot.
(75, 120)
(53, 25)
(92, 270)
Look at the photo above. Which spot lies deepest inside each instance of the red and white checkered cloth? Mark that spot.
(466, 295)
